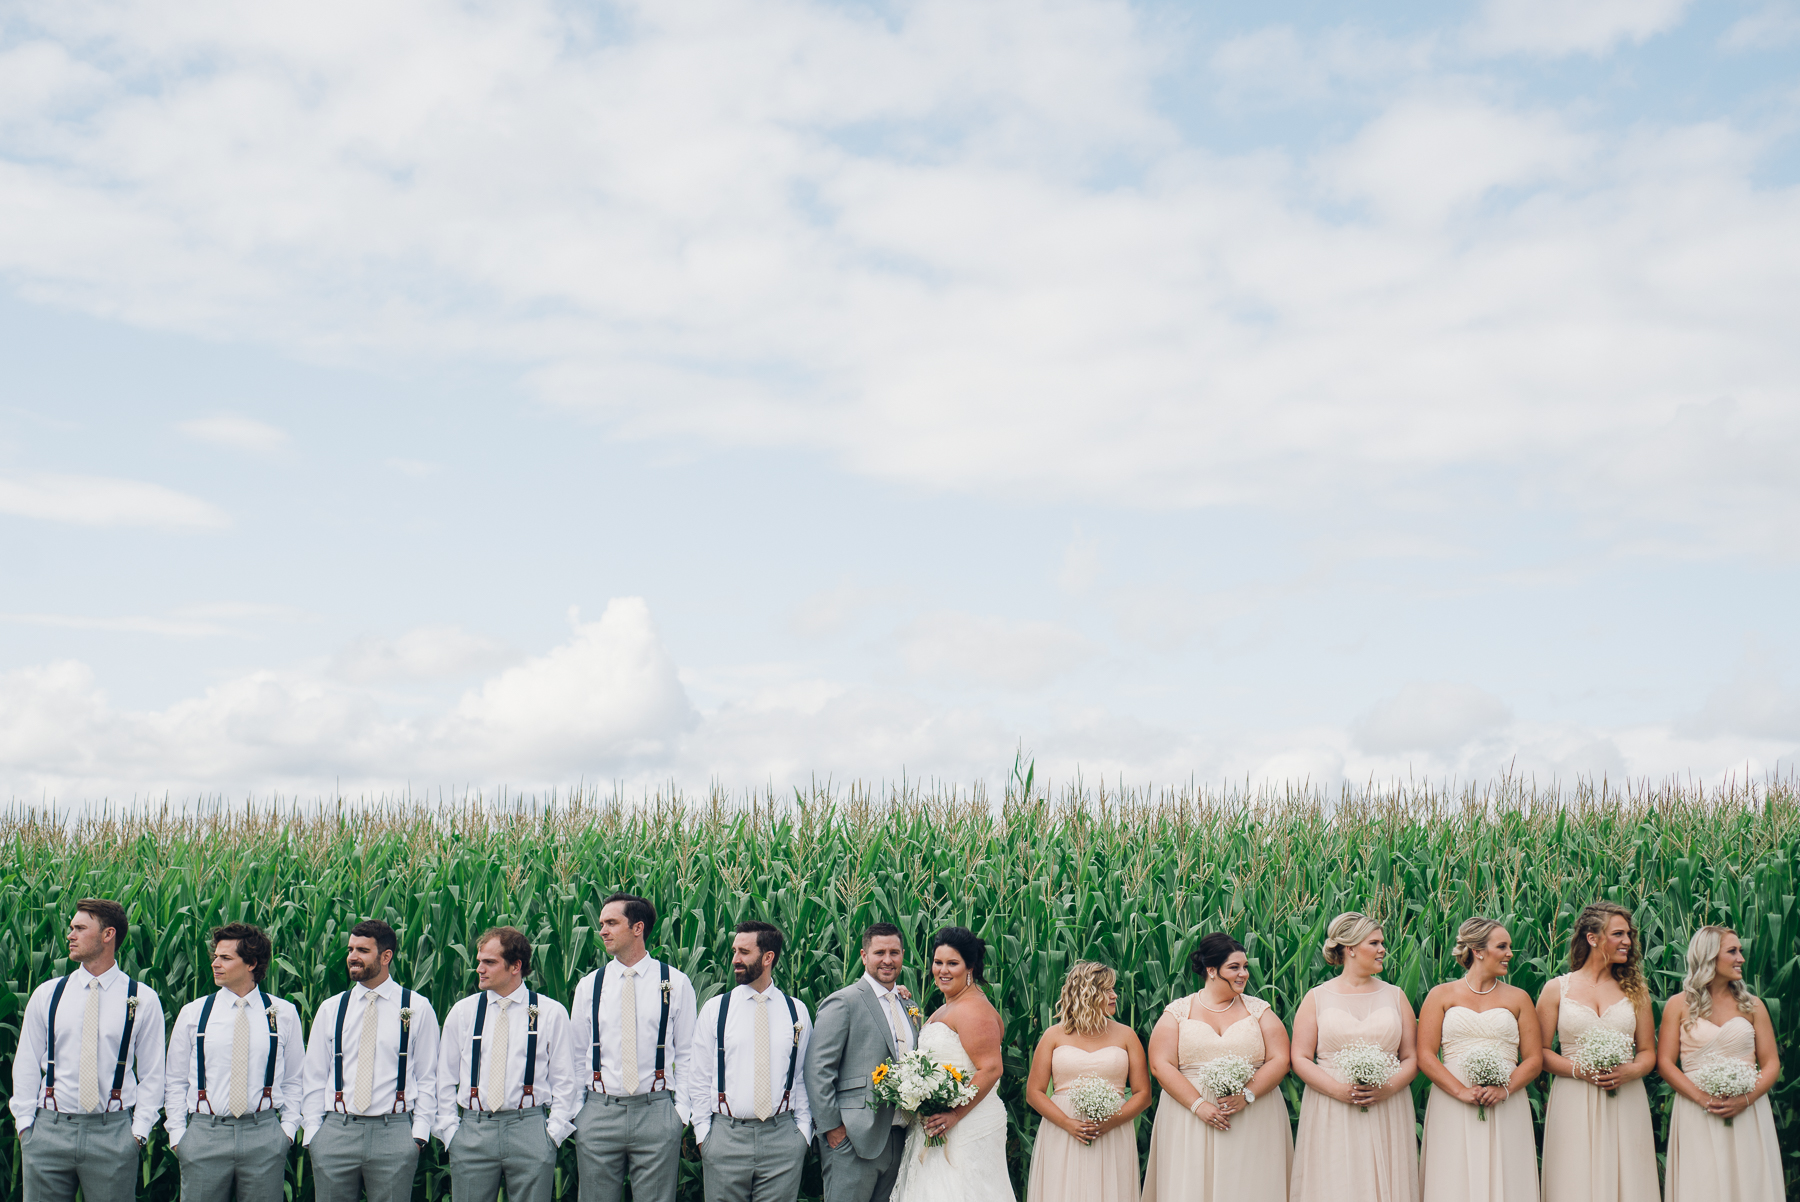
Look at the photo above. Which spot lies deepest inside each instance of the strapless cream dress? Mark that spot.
(1062, 1169)
(1466, 1159)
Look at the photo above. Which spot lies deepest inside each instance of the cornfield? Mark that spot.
(1130, 877)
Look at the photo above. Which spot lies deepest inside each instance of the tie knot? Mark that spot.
(93, 983)
(761, 998)
(628, 972)
(504, 1003)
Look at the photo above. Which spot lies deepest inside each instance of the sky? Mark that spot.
(441, 397)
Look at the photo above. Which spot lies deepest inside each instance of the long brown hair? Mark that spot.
(1629, 975)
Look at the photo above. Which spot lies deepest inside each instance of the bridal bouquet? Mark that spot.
(1095, 1099)
(1227, 1075)
(1602, 1049)
(1363, 1063)
(1724, 1077)
(1487, 1067)
(920, 1086)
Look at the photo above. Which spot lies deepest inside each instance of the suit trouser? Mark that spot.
(636, 1136)
(351, 1153)
(851, 1178)
(96, 1152)
(220, 1153)
(753, 1160)
(495, 1147)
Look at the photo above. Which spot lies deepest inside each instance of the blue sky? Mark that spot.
(466, 396)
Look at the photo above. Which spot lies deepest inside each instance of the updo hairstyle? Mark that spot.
(968, 945)
(1346, 930)
(1212, 952)
(1471, 937)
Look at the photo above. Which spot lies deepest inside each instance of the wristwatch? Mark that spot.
(142, 1142)
(1249, 1099)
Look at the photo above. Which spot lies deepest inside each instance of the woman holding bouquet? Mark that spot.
(1079, 1157)
(1354, 1048)
(1721, 1141)
(1478, 1142)
(1598, 1145)
(1221, 1131)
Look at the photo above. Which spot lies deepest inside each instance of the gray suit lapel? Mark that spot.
(874, 1009)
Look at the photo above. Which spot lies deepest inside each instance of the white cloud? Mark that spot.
(1560, 27)
(235, 431)
(1769, 28)
(831, 611)
(105, 501)
(171, 627)
(1080, 563)
(1436, 716)
(988, 651)
(428, 653)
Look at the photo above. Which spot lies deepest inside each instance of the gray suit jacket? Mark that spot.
(850, 1037)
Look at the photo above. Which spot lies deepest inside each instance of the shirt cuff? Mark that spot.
(421, 1129)
(702, 1125)
(446, 1133)
(288, 1129)
(140, 1128)
(559, 1130)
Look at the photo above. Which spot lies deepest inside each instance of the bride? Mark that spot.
(965, 1032)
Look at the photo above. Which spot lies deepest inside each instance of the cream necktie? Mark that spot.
(240, 1060)
(765, 1105)
(898, 1022)
(502, 1052)
(365, 1059)
(628, 1031)
(90, 1048)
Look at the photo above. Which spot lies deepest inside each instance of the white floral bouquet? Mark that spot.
(1095, 1099)
(1366, 1064)
(1487, 1067)
(920, 1086)
(1724, 1077)
(1601, 1049)
(1227, 1075)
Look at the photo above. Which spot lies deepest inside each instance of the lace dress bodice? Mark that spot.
(1198, 1043)
(1573, 1018)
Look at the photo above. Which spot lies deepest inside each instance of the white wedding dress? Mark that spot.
(971, 1166)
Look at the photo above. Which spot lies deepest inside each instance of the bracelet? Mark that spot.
(1195, 1108)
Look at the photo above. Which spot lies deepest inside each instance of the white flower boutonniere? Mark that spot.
(406, 1017)
(270, 1015)
(532, 1013)
(131, 1005)
(798, 1028)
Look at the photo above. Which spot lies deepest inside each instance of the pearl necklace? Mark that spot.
(1218, 1009)
(1488, 990)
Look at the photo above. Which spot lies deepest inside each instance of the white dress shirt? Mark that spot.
(181, 1094)
(421, 1058)
(740, 1059)
(893, 1008)
(678, 1043)
(554, 1082)
(143, 1068)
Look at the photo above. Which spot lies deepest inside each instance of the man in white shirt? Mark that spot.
(233, 1085)
(748, 1099)
(859, 1027)
(634, 1036)
(371, 1078)
(504, 1058)
(88, 1073)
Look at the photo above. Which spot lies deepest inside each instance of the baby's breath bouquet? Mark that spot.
(1601, 1049)
(1095, 1099)
(1724, 1077)
(1364, 1063)
(1227, 1075)
(1487, 1067)
(920, 1086)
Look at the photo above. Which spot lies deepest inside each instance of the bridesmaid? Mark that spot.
(1205, 1148)
(1343, 1154)
(1714, 1015)
(1463, 1157)
(1598, 1148)
(1076, 1160)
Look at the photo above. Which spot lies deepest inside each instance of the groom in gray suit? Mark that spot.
(857, 1028)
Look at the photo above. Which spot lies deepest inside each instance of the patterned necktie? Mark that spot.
(240, 1060)
(765, 1105)
(502, 1051)
(898, 1022)
(365, 1060)
(90, 1048)
(628, 1032)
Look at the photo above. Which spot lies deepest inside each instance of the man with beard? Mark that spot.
(371, 1078)
(748, 1100)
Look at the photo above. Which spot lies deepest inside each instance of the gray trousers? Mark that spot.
(637, 1137)
(850, 1178)
(510, 1147)
(94, 1151)
(351, 1153)
(753, 1160)
(219, 1154)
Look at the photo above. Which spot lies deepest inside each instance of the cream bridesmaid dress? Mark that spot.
(1192, 1162)
(1062, 1169)
(1596, 1148)
(1708, 1161)
(1463, 1158)
(1344, 1154)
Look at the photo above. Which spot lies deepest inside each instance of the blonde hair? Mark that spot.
(1702, 967)
(1472, 936)
(1082, 1007)
(1346, 930)
(1629, 975)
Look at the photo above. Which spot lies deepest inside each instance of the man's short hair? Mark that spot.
(878, 930)
(380, 932)
(637, 910)
(515, 948)
(253, 947)
(768, 936)
(107, 914)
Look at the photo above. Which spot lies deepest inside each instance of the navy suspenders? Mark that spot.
(268, 1091)
(662, 1031)
(50, 1055)
(405, 1036)
(118, 1082)
(793, 1053)
(531, 1033)
(200, 1055)
(337, 1053)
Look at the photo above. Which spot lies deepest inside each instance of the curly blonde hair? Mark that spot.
(1472, 936)
(1082, 1007)
(1629, 975)
(1702, 967)
(1346, 930)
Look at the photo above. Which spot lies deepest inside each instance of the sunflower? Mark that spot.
(879, 1075)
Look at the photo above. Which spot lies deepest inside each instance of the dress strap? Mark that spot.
(1254, 1005)
(1179, 1008)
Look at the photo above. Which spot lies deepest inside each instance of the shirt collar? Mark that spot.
(773, 993)
(647, 967)
(250, 999)
(387, 989)
(107, 979)
(522, 993)
(881, 990)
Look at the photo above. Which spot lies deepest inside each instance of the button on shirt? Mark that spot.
(143, 1068)
(555, 1084)
(647, 991)
(740, 1059)
(181, 1095)
(421, 1058)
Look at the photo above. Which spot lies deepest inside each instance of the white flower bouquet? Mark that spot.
(1227, 1075)
(1366, 1064)
(1487, 1067)
(1095, 1099)
(1724, 1077)
(1601, 1049)
(920, 1086)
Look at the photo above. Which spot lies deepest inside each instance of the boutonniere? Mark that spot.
(531, 1012)
(131, 1005)
(912, 1012)
(798, 1028)
(270, 1015)
(406, 1017)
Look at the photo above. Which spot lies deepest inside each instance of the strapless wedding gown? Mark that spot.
(1466, 1159)
(1062, 1168)
(1708, 1161)
(971, 1165)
